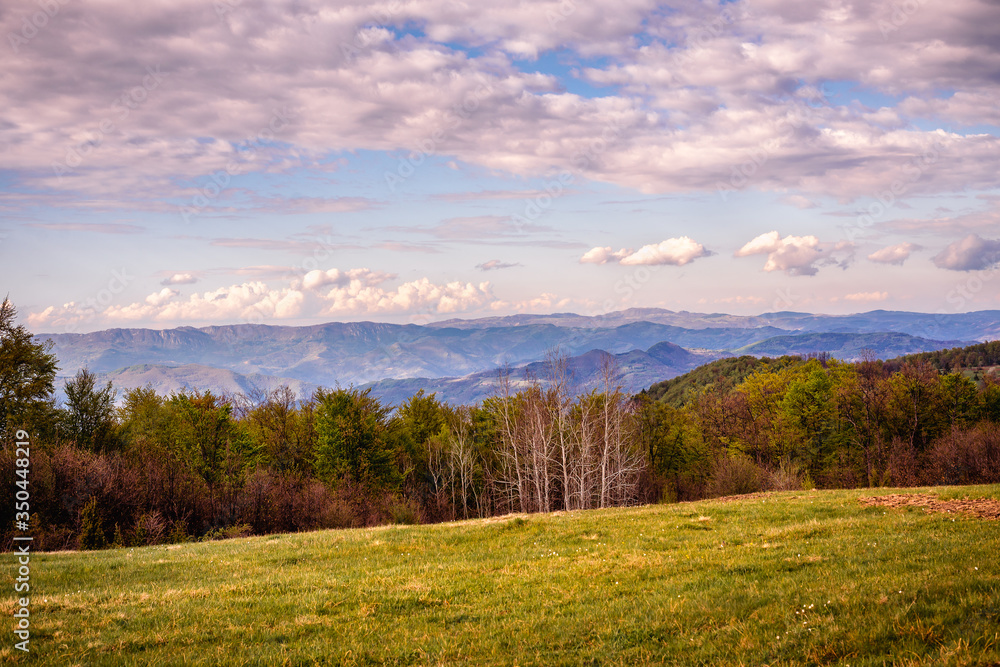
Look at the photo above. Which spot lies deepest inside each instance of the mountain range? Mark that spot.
(459, 359)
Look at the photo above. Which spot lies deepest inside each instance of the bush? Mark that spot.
(734, 475)
(966, 456)
(91, 528)
(228, 532)
(149, 529)
(402, 512)
(789, 476)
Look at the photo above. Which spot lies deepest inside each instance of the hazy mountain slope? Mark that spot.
(455, 351)
(636, 369)
(192, 377)
(975, 326)
(847, 346)
(365, 352)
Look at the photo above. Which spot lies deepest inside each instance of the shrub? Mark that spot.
(228, 532)
(789, 476)
(91, 531)
(969, 456)
(734, 475)
(149, 529)
(402, 512)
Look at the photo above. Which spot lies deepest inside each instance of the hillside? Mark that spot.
(458, 359)
(983, 355)
(357, 353)
(976, 326)
(731, 371)
(847, 346)
(636, 369)
(166, 380)
(794, 578)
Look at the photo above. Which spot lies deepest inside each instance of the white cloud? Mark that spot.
(180, 279)
(969, 254)
(867, 296)
(712, 89)
(496, 265)
(894, 254)
(352, 292)
(603, 255)
(314, 280)
(163, 296)
(797, 255)
(676, 251)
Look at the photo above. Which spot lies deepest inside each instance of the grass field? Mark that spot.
(793, 578)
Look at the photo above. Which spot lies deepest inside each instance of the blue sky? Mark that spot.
(298, 162)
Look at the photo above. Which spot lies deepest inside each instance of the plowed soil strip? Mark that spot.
(983, 508)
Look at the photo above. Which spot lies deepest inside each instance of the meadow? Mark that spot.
(793, 578)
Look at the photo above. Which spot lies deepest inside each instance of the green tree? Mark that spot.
(207, 438)
(351, 430)
(282, 430)
(810, 408)
(27, 378)
(90, 412)
(145, 419)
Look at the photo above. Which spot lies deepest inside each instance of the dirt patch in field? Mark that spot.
(983, 508)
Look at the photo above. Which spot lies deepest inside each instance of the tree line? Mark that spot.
(135, 467)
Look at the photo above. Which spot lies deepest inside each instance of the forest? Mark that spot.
(110, 468)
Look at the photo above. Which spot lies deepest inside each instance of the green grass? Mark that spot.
(796, 578)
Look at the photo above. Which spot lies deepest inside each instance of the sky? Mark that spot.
(186, 163)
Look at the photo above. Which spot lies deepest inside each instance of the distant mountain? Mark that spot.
(364, 352)
(459, 356)
(847, 346)
(166, 380)
(636, 370)
(976, 326)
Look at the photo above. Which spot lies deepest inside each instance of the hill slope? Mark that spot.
(847, 346)
(794, 578)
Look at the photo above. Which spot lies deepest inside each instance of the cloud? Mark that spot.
(867, 296)
(333, 293)
(676, 251)
(96, 228)
(489, 194)
(180, 279)
(157, 299)
(798, 201)
(496, 264)
(603, 255)
(972, 253)
(797, 255)
(476, 228)
(894, 254)
(691, 97)
(314, 280)
(287, 205)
